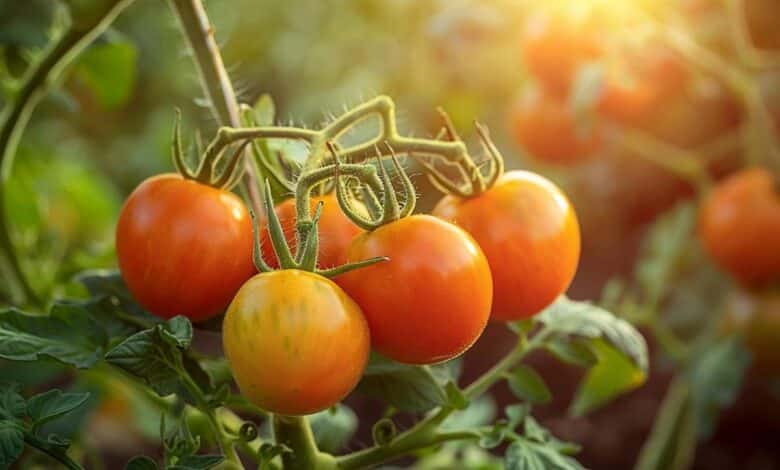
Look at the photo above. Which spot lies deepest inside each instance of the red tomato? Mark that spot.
(555, 46)
(530, 235)
(739, 225)
(431, 300)
(184, 248)
(295, 342)
(335, 229)
(544, 125)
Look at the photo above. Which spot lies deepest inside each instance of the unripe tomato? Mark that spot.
(530, 235)
(335, 230)
(431, 300)
(295, 342)
(184, 248)
(756, 317)
(739, 225)
(544, 125)
(555, 46)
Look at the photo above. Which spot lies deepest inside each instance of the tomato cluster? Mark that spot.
(297, 341)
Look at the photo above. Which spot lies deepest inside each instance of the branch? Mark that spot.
(36, 83)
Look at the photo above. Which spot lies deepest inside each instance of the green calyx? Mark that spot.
(305, 258)
(472, 179)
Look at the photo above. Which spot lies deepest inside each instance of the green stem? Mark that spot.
(295, 433)
(44, 447)
(425, 433)
(214, 79)
(36, 83)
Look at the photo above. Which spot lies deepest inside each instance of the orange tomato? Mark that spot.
(295, 342)
(335, 230)
(184, 248)
(739, 225)
(530, 235)
(431, 300)
(544, 125)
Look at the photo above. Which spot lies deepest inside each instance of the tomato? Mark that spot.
(545, 126)
(431, 300)
(636, 87)
(756, 316)
(335, 229)
(739, 225)
(530, 235)
(295, 342)
(761, 17)
(556, 46)
(184, 248)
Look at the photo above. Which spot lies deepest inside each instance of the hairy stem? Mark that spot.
(215, 80)
(295, 433)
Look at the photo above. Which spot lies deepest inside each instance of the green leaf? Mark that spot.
(264, 110)
(524, 454)
(672, 442)
(613, 375)
(576, 353)
(67, 335)
(155, 355)
(141, 463)
(517, 414)
(568, 317)
(197, 462)
(109, 284)
(333, 428)
(53, 404)
(480, 412)
(715, 377)
(12, 404)
(526, 384)
(407, 388)
(11, 443)
(108, 70)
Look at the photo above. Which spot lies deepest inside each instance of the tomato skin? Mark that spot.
(530, 235)
(296, 343)
(184, 248)
(544, 126)
(555, 46)
(335, 230)
(431, 300)
(739, 225)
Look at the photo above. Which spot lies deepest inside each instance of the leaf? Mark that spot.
(333, 428)
(155, 355)
(12, 404)
(11, 443)
(108, 70)
(406, 387)
(526, 384)
(572, 352)
(141, 463)
(109, 283)
(197, 462)
(67, 335)
(524, 454)
(672, 441)
(480, 412)
(715, 377)
(53, 404)
(613, 375)
(264, 110)
(568, 317)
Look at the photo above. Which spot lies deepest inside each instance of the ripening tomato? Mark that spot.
(739, 225)
(184, 248)
(295, 342)
(556, 46)
(545, 126)
(335, 230)
(431, 300)
(635, 88)
(530, 235)
(756, 316)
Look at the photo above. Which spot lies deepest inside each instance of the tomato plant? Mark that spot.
(531, 238)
